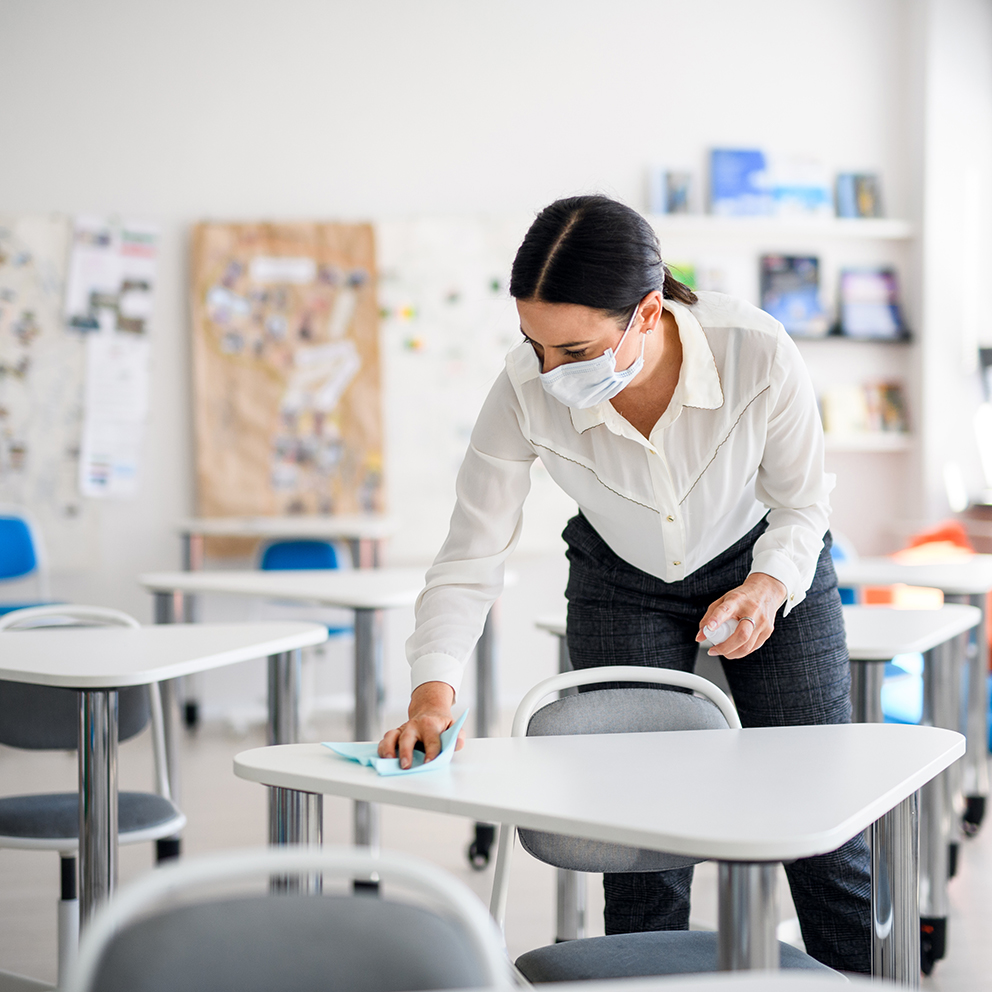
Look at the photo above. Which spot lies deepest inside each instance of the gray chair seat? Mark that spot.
(634, 955)
(281, 942)
(55, 815)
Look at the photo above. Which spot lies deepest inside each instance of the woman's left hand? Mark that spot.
(758, 599)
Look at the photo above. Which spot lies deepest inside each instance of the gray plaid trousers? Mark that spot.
(619, 615)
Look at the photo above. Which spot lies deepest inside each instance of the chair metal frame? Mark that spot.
(34, 617)
(529, 705)
(136, 899)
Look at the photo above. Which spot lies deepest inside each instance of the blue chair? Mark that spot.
(280, 556)
(22, 555)
(842, 550)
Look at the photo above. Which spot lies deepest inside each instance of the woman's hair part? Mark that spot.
(595, 252)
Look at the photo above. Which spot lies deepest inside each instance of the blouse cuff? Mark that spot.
(781, 567)
(436, 667)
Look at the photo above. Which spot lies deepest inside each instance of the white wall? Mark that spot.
(239, 109)
(957, 236)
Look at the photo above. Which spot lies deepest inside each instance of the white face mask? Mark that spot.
(585, 384)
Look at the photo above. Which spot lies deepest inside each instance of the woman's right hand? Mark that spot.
(429, 714)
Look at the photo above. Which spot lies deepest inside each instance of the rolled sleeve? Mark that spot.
(791, 480)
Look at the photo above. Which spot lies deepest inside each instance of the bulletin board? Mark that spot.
(286, 369)
(42, 369)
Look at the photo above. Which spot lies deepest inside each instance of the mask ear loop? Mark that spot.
(630, 324)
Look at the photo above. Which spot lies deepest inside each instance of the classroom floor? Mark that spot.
(225, 812)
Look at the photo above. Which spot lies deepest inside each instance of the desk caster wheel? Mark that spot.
(933, 941)
(974, 813)
(478, 850)
(167, 849)
(191, 715)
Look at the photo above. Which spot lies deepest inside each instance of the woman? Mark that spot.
(686, 429)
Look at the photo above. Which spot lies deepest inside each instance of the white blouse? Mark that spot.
(741, 438)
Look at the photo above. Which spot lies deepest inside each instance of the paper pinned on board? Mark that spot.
(367, 753)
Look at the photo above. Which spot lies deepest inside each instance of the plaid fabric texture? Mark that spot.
(619, 615)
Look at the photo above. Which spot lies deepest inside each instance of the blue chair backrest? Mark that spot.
(17, 555)
(299, 554)
(848, 597)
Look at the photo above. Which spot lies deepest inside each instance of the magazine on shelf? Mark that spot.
(859, 195)
(670, 191)
(790, 292)
(869, 304)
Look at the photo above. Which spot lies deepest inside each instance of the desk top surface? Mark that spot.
(366, 588)
(876, 633)
(108, 657)
(358, 525)
(967, 577)
(750, 795)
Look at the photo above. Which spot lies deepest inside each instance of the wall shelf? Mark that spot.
(714, 226)
(870, 441)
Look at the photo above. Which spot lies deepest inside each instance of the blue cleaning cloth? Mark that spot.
(368, 753)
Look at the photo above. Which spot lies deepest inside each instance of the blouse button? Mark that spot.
(670, 518)
(676, 563)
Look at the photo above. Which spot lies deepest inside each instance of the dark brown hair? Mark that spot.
(595, 252)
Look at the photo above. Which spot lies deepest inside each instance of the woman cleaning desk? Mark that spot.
(685, 427)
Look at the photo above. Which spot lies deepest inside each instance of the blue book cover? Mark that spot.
(739, 183)
(790, 292)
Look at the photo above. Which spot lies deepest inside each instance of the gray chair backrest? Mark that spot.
(613, 711)
(46, 718)
(292, 943)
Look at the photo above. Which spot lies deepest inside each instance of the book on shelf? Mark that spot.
(739, 183)
(869, 304)
(745, 182)
(859, 194)
(670, 191)
(877, 407)
(790, 292)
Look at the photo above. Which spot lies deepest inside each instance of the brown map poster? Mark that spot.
(286, 369)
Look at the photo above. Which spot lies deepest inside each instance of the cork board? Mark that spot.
(286, 373)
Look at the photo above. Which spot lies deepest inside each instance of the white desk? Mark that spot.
(874, 635)
(366, 591)
(98, 661)
(968, 580)
(357, 529)
(743, 797)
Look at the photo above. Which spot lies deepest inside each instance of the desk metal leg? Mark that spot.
(748, 916)
(284, 697)
(368, 679)
(975, 771)
(296, 818)
(866, 691)
(895, 907)
(485, 720)
(572, 885)
(97, 799)
(167, 605)
(939, 710)
(186, 608)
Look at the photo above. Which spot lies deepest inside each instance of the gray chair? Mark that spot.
(35, 717)
(164, 933)
(680, 702)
